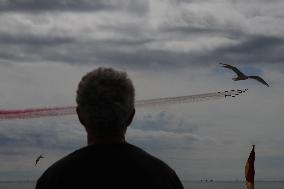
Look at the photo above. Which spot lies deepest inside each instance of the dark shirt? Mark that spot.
(113, 166)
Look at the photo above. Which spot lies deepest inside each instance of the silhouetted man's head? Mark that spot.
(105, 102)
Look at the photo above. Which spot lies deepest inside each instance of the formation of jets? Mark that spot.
(232, 93)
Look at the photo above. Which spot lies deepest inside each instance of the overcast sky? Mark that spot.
(169, 48)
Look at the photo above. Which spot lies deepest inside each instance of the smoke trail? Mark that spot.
(36, 112)
(188, 98)
(69, 110)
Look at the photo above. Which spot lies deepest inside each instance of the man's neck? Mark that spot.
(105, 140)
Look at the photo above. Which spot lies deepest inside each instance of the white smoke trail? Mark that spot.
(188, 98)
(60, 111)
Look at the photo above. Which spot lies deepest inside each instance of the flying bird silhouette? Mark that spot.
(38, 158)
(242, 76)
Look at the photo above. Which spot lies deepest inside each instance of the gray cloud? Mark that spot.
(38, 6)
(195, 31)
(134, 53)
(54, 5)
(162, 140)
(35, 135)
(164, 130)
(255, 49)
(164, 121)
(33, 40)
(150, 41)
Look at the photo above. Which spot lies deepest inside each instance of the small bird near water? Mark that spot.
(38, 158)
(242, 76)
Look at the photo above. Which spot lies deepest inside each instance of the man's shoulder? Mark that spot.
(99, 154)
(157, 169)
(108, 162)
(147, 156)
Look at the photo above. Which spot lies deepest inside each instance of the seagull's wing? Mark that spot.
(36, 161)
(258, 79)
(38, 158)
(236, 70)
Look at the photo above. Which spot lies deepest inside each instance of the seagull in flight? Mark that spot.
(38, 158)
(242, 76)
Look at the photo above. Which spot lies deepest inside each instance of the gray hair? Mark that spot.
(106, 99)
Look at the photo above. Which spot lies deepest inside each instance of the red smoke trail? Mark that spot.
(69, 110)
(36, 112)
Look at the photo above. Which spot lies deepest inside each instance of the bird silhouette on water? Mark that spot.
(242, 76)
(38, 158)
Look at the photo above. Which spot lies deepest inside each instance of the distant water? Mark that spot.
(187, 185)
(231, 185)
(17, 185)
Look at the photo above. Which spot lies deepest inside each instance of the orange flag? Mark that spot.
(249, 169)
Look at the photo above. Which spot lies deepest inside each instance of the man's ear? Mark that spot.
(131, 116)
(80, 116)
